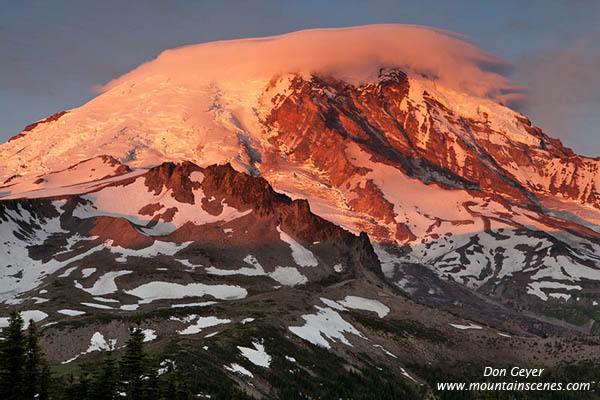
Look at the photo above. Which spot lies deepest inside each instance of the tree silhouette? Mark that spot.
(33, 363)
(106, 380)
(12, 354)
(133, 367)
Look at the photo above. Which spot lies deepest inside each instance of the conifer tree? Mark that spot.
(83, 387)
(12, 354)
(70, 392)
(134, 367)
(170, 388)
(183, 390)
(45, 381)
(153, 383)
(105, 383)
(33, 363)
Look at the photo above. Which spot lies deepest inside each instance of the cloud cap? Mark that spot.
(352, 54)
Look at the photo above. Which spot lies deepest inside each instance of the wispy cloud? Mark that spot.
(348, 53)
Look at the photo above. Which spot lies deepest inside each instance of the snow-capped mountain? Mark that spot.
(457, 193)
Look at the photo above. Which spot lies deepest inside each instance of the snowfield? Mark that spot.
(325, 324)
(257, 355)
(105, 283)
(149, 335)
(201, 323)
(288, 276)
(87, 272)
(358, 303)
(99, 306)
(71, 313)
(464, 327)
(152, 291)
(238, 369)
(157, 248)
(201, 304)
(302, 256)
(35, 315)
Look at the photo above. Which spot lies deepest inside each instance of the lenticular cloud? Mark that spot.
(352, 54)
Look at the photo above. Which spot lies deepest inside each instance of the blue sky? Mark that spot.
(53, 52)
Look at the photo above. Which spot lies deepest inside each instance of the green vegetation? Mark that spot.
(402, 328)
(575, 314)
(190, 367)
(315, 373)
(189, 371)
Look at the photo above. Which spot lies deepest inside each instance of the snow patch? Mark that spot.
(87, 272)
(464, 327)
(257, 355)
(152, 291)
(238, 369)
(35, 315)
(288, 276)
(70, 313)
(149, 335)
(201, 304)
(100, 306)
(325, 324)
(105, 284)
(67, 272)
(201, 323)
(403, 372)
(358, 303)
(302, 256)
(385, 351)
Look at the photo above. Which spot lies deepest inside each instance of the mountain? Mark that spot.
(236, 180)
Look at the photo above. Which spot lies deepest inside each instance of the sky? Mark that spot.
(53, 53)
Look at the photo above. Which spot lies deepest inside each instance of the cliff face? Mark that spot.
(182, 214)
(496, 154)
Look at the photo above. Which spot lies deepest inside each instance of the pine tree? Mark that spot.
(170, 388)
(153, 383)
(183, 390)
(105, 383)
(12, 354)
(33, 362)
(134, 367)
(45, 381)
(70, 391)
(83, 387)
